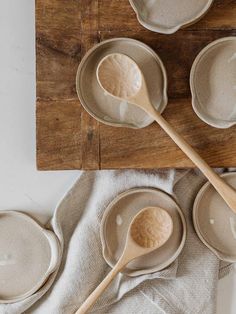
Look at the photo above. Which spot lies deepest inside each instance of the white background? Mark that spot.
(21, 185)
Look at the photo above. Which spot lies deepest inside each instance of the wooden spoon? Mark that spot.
(122, 78)
(148, 231)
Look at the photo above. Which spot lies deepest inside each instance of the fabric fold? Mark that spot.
(187, 286)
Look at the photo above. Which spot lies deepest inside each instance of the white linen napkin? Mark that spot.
(188, 286)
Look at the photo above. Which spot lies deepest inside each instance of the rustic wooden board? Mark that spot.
(68, 138)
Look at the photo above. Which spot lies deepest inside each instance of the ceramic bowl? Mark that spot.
(168, 16)
(119, 214)
(106, 108)
(213, 83)
(28, 255)
(214, 221)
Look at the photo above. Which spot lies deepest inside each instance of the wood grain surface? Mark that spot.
(68, 138)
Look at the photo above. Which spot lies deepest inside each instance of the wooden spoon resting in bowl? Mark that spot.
(149, 230)
(121, 77)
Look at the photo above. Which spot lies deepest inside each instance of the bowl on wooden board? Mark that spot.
(29, 254)
(105, 108)
(213, 83)
(116, 220)
(168, 16)
(214, 221)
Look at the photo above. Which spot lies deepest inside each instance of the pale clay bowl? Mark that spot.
(214, 221)
(115, 223)
(213, 83)
(104, 107)
(168, 16)
(28, 255)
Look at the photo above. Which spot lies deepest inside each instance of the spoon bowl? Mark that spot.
(150, 229)
(120, 76)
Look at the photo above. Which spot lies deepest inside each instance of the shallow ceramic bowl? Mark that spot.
(106, 108)
(213, 83)
(214, 221)
(119, 214)
(28, 255)
(168, 16)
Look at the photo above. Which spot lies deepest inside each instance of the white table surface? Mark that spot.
(21, 185)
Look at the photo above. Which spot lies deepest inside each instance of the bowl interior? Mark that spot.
(213, 81)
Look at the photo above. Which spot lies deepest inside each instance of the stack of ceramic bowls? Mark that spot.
(29, 254)
(116, 221)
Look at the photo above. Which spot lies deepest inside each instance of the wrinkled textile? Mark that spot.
(188, 286)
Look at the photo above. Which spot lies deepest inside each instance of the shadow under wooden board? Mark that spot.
(68, 138)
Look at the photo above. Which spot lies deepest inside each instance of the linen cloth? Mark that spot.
(188, 286)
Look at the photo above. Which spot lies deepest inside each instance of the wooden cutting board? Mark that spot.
(68, 138)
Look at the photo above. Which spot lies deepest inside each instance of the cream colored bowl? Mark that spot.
(168, 16)
(215, 222)
(213, 83)
(117, 218)
(28, 255)
(106, 108)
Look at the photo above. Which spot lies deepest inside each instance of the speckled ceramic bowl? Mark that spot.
(213, 83)
(115, 224)
(106, 108)
(28, 255)
(168, 16)
(214, 221)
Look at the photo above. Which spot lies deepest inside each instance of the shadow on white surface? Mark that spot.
(21, 185)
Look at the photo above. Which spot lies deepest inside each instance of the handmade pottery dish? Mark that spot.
(28, 255)
(213, 83)
(168, 16)
(117, 218)
(214, 222)
(105, 108)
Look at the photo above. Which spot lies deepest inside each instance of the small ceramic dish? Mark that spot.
(214, 221)
(104, 107)
(213, 83)
(119, 214)
(168, 16)
(28, 255)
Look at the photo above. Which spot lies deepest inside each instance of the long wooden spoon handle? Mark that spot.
(99, 290)
(226, 191)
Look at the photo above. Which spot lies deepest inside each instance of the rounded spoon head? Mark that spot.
(119, 76)
(151, 228)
